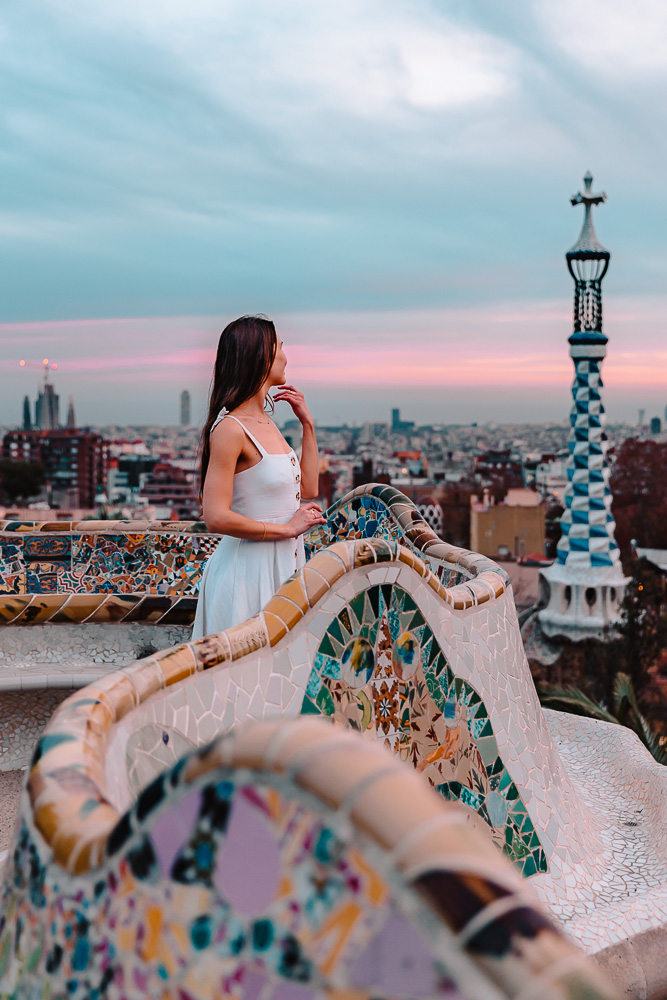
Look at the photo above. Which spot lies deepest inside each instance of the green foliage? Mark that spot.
(636, 642)
(20, 480)
(571, 699)
(619, 672)
(625, 711)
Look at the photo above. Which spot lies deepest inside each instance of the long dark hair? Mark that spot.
(246, 352)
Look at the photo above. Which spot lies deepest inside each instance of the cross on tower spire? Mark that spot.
(587, 247)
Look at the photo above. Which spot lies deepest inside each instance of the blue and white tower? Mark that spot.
(583, 589)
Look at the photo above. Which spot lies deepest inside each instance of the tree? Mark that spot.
(633, 650)
(552, 528)
(639, 487)
(20, 480)
(639, 638)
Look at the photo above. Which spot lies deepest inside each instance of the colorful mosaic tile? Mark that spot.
(367, 513)
(229, 880)
(131, 558)
(380, 669)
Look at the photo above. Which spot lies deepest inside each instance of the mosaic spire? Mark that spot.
(586, 584)
(587, 525)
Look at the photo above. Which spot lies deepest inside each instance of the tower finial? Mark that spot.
(587, 262)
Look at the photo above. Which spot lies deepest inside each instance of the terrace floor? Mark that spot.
(11, 783)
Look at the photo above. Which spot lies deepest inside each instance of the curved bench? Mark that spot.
(368, 635)
(284, 860)
(120, 590)
(112, 572)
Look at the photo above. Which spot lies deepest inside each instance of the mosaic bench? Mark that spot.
(133, 587)
(149, 571)
(285, 861)
(369, 637)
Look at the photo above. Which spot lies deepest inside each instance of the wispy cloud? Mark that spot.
(389, 178)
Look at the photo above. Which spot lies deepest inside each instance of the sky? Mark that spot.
(387, 179)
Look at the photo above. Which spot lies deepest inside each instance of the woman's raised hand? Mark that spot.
(296, 400)
(305, 518)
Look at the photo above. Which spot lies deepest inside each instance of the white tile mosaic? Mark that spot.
(595, 799)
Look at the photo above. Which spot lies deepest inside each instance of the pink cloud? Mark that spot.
(522, 345)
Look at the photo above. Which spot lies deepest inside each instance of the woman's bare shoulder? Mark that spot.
(227, 434)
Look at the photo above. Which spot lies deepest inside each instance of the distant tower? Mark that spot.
(583, 589)
(71, 419)
(27, 422)
(185, 408)
(47, 409)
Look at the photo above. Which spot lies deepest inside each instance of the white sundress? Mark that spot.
(240, 575)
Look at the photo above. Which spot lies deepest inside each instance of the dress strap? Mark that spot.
(252, 437)
(223, 413)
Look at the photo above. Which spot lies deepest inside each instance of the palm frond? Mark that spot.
(626, 709)
(629, 714)
(571, 699)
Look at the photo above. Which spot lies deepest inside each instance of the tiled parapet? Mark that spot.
(132, 571)
(379, 511)
(297, 613)
(284, 860)
(366, 635)
(45, 565)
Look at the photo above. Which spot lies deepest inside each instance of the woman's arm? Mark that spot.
(310, 462)
(226, 446)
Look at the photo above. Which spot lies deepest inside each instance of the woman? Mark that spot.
(251, 481)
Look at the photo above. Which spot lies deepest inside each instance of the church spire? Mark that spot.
(71, 419)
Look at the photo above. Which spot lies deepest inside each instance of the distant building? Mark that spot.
(71, 418)
(127, 474)
(656, 425)
(47, 409)
(399, 426)
(172, 487)
(512, 528)
(75, 462)
(27, 422)
(185, 408)
(413, 463)
(499, 462)
(366, 473)
(551, 474)
(656, 556)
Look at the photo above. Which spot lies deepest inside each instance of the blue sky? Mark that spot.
(389, 180)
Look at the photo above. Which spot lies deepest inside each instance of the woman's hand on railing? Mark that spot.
(305, 518)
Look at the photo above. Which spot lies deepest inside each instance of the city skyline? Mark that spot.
(390, 183)
(526, 381)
